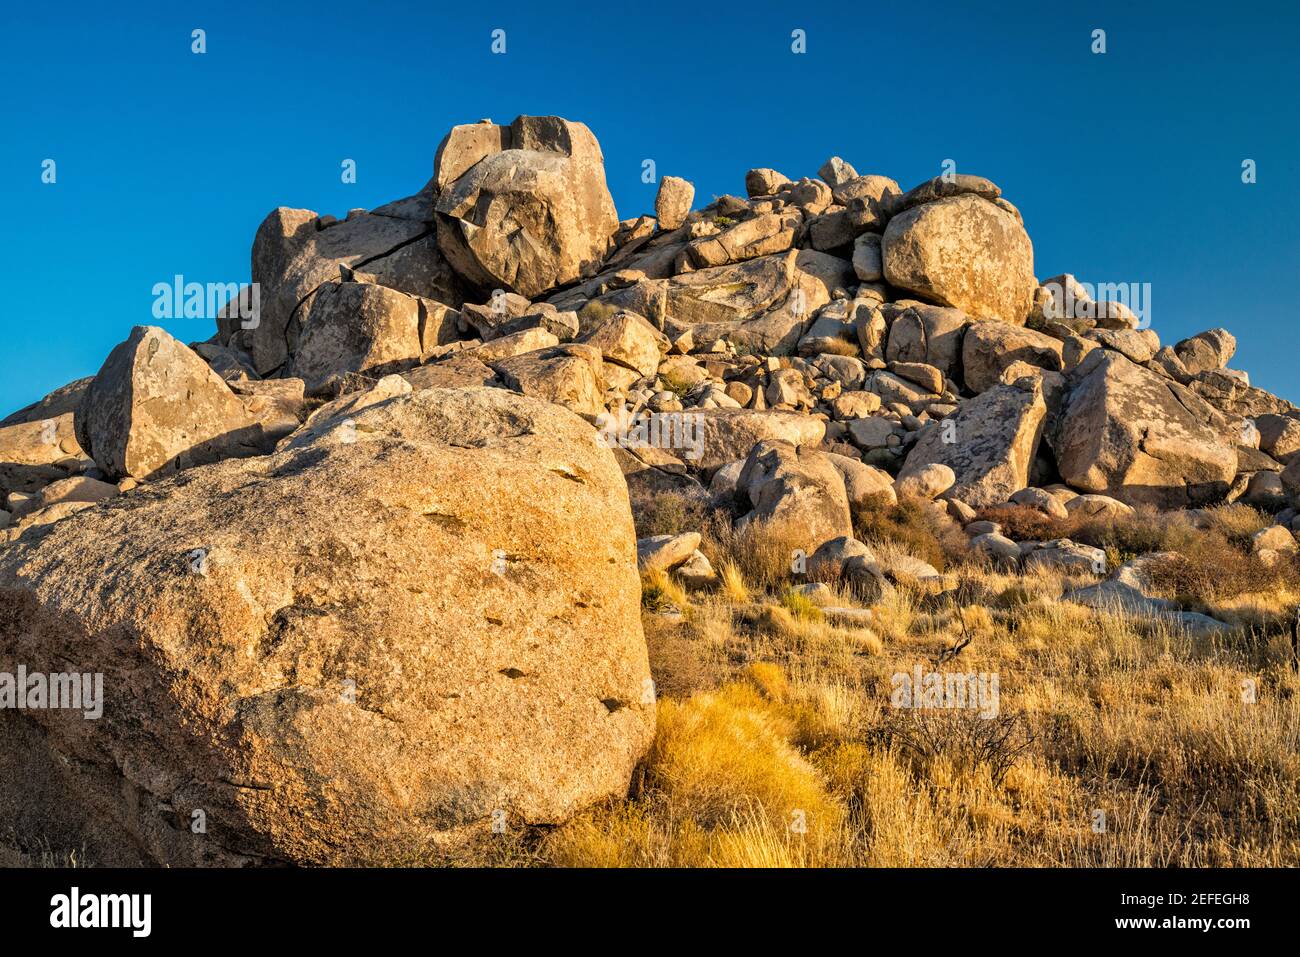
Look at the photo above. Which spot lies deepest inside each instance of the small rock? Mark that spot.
(673, 201)
(696, 571)
(666, 552)
(929, 482)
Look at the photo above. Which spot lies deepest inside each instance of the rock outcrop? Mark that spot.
(360, 572)
(156, 407)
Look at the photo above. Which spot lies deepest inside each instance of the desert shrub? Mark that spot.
(769, 680)
(961, 737)
(616, 834)
(1212, 567)
(594, 313)
(1122, 537)
(667, 513)
(915, 525)
(1237, 522)
(762, 553)
(842, 347)
(682, 661)
(1022, 522)
(800, 605)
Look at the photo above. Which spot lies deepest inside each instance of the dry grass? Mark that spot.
(1116, 742)
(732, 583)
(764, 555)
(661, 592)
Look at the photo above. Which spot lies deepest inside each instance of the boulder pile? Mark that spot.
(361, 574)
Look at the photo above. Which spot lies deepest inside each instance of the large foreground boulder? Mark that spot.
(966, 252)
(420, 619)
(1137, 436)
(530, 210)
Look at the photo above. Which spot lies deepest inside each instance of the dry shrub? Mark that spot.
(724, 785)
(916, 526)
(842, 347)
(762, 553)
(681, 659)
(1129, 535)
(1023, 522)
(769, 680)
(1237, 522)
(667, 513)
(596, 313)
(961, 737)
(1126, 536)
(1213, 569)
(1213, 564)
(617, 834)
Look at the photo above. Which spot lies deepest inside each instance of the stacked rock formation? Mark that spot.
(362, 580)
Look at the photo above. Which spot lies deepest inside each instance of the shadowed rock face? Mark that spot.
(351, 651)
(1132, 434)
(295, 253)
(928, 334)
(990, 347)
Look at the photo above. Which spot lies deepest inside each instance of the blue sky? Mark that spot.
(1126, 166)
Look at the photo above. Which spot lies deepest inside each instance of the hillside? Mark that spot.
(808, 527)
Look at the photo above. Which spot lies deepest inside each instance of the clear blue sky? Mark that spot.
(1127, 166)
